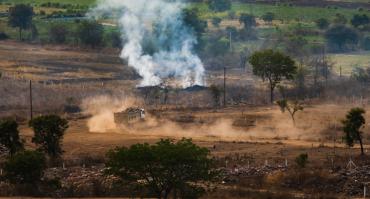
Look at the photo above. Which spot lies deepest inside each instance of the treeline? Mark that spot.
(180, 169)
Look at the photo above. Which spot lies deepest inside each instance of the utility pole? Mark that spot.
(31, 108)
(224, 86)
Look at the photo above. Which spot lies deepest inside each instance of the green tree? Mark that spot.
(273, 67)
(9, 136)
(247, 20)
(268, 17)
(340, 19)
(302, 160)
(49, 131)
(219, 5)
(20, 16)
(91, 33)
(360, 20)
(322, 23)
(341, 38)
(291, 107)
(25, 167)
(58, 33)
(216, 21)
(166, 167)
(192, 19)
(352, 124)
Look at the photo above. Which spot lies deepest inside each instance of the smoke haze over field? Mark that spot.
(157, 44)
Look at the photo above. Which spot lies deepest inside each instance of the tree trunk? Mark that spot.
(362, 147)
(272, 93)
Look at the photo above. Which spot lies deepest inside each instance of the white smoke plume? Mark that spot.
(156, 25)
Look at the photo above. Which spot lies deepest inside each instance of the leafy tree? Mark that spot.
(216, 21)
(341, 37)
(268, 17)
(273, 67)
(366, 43)
(91, 33)
(58, 33)
(49, 131)
(9, 136)
(302, 160)
(247, 20)
(360, 20)
(165, 167)
(219, 5)
(191, 19)
(20, 16)
(340, 19)
(291, 107)
(216, 94)
(25, 167)
(351, 126)
(322, 23)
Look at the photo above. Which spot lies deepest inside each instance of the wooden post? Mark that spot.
(31, 107)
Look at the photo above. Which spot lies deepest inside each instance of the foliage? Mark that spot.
(3, 36)
(361, 75)
(20, 16)
(25, 167)
(341, 38)
(219, 5)
(272, 66)
(9, 136)
(322, 23)
(302, 160)
(49, 131)
(216, 94)
(58, 33)
(352, 124)
(366, 43)
(165, 167)
(91, 33)
(247, 20)
(360, 20)
(291, 107)
(268, 17)
(216, 21)
(340, 19)
(192, 19)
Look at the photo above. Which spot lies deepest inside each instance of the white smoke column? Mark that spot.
(173, 42)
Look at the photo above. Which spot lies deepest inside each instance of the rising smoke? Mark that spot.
(157, 44)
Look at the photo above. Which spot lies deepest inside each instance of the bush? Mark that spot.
(25, 167)
(302, 160)
(91, 33)
(3, 36)
(366, 43)
(9, 136)
(58, 33)
(49, 131)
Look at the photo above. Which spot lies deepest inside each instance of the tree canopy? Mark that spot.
(219, 5)
(165, 167)
(352, 124)
(49, 130)
(247, 20)
(91, 33)
(273, 66)
(341, 38)
(20, 16)
(25, 167)
(9, 136)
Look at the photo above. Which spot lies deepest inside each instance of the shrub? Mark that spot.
(25, 167)
(302, 160)
(49, 131)
(9, 136)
